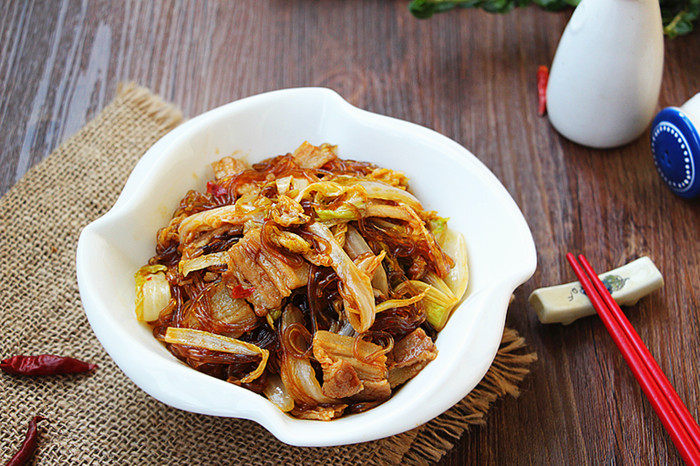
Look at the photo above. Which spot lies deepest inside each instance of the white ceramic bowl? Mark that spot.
(445, 176)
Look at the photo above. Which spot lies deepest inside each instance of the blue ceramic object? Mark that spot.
(675, 143)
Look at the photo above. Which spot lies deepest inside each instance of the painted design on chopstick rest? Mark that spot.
(612, 283)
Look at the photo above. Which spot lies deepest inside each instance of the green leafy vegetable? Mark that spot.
(348, 210)
(394, 303)
(221, 343)
(438, 300)
(152, 292)
(678, 16)
(202, 262)
(438, 226)
(454, 245)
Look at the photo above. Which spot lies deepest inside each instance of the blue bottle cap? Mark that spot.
(675, 143)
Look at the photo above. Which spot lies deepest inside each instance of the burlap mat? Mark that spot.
(105, 418)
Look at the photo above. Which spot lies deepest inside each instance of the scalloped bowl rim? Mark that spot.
(474, 339)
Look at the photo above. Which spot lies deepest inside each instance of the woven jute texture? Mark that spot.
(104, 418)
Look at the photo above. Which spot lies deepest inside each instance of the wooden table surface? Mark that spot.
(468, 75)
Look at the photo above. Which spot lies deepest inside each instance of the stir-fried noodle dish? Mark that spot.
(318, 282)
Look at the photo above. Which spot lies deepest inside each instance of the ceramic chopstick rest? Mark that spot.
(564, 304)
(675, 144)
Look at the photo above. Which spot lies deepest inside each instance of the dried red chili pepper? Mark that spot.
(26, 451)
(45, 364)
(542, 78)
(239, 292)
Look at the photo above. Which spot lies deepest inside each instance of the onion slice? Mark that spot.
(277, 393)
(355, 245)
(152, 292)
(454, 245)
(297, 373)
(355, 286)
(202, 262)
(214, 342)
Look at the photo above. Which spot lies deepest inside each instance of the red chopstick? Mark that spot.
(640, 347)
(675, 417)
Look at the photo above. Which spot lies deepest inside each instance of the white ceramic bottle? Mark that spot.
(692, 109)
(606, 75)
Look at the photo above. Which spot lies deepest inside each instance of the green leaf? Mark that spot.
(679, 16)
(555, 5)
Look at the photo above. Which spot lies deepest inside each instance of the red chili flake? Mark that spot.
(542, 78)
(239, 292)
(216, 189)
(26, 451)
(45, 364)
